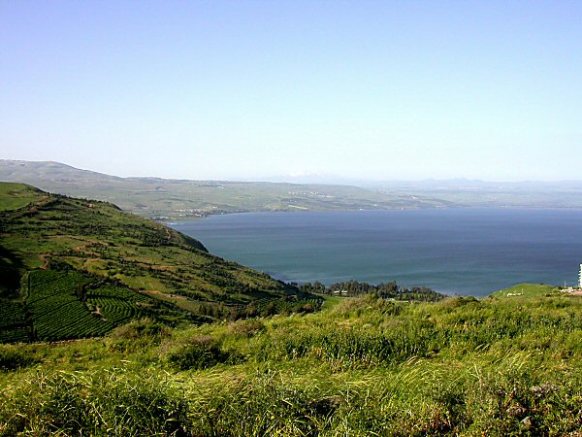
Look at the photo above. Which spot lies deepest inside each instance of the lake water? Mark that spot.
(465, 251)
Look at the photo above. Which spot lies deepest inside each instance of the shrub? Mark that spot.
(306, 309)
(136, 336)
(201, 353)
(246, 328)
(139, 328)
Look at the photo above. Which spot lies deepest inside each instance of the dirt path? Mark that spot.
(45, 261)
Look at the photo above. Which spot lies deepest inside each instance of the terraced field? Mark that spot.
(116, 304)
(13, 324)
(58, 312)
(61, 305)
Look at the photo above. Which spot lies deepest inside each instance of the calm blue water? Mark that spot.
(466, 251)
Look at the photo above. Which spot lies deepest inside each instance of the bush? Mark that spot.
(201, 353)
(136, 336)
(246, 328)
(139, 328)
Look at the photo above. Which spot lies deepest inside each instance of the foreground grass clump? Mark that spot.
(362, 366)
(103, 402)
(201, 353)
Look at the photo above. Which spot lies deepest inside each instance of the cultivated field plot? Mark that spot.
(54, 299)
(65, 305)
(13, 324)
(116, 304)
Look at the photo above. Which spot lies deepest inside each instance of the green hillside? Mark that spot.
(75, 268)
(362, 366)
(526, 290)
(14, 196)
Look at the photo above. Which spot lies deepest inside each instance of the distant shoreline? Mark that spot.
(266, 211)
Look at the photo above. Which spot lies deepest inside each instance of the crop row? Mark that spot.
(68, 321)
(114, 309)
(14, 334)
(53, 278)
(47, 306)
(13, 324)
(115, 304)
(11, 313)
(56, 309)
(45, 284)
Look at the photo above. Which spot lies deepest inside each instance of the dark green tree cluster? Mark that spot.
(385, 290)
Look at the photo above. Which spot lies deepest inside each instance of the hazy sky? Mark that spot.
(252, 89)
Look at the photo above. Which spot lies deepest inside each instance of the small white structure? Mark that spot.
(580, 277)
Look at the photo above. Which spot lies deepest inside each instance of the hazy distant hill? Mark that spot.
(463, 192)
(172, 199)
(76, 268)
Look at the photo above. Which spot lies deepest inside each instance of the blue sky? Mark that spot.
(253, 89)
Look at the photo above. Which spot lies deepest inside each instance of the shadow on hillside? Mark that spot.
(11, 268)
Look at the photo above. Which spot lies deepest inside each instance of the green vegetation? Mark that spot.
(67, 304)
(57, 311)
(134, 294)
(13, 324)
(170, 199)
(527, 290)
(16, 196)
(166, 199)
(361, 366)
(73, 268)
(388, 290)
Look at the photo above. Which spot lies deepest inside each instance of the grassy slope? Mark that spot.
(360, 367)
(45, 231)
(526, 290)
(175, 199)
(14, 196)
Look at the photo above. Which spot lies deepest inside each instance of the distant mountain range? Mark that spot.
(172, 199)
(176, 199)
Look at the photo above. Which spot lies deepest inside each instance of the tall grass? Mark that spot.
(95, 403)
(362, 367)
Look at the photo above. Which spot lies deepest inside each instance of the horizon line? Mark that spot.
(282, 179)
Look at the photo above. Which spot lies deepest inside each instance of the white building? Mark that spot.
(580, 277)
